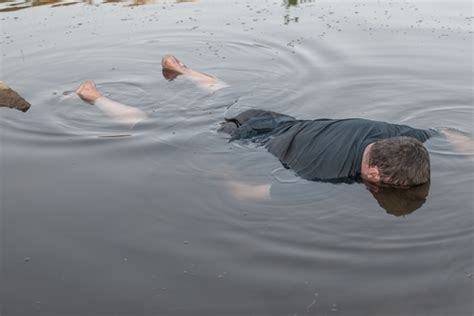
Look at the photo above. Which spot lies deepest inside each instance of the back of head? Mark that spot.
(401, 161)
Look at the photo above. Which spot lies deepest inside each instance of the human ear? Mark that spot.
(374, 174)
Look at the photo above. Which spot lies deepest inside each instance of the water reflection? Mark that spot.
(293, 3)
(8, 5)
(12, 5)
(289, 19)
(29, 3)
(289, 3)
(400, 202)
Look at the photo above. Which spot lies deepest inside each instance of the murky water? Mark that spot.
(144, 224)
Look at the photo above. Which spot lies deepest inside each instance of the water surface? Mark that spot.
(144, 224)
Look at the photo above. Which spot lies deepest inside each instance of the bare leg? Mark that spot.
(173, 68)
(124, 114)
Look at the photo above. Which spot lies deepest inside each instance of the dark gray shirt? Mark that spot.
(330, 149)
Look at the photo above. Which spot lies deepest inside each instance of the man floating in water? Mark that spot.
(329, 150)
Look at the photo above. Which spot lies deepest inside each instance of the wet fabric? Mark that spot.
(254, 124)
(321, 150)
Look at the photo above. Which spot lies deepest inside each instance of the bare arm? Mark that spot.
(249, 192)
(124, 114)
(461, 142)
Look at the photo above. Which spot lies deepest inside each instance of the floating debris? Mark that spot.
(11, 99)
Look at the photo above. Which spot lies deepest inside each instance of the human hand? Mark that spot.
(88, 92)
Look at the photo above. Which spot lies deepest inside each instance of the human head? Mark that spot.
(400, 161)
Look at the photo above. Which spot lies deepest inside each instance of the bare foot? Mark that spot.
(170, 62)
(172, 67)
(88, 92)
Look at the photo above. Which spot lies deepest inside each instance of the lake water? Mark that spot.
(143, 223)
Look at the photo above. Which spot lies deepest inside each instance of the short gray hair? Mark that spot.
(402, 161)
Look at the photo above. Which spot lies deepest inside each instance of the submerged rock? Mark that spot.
(9, 98)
